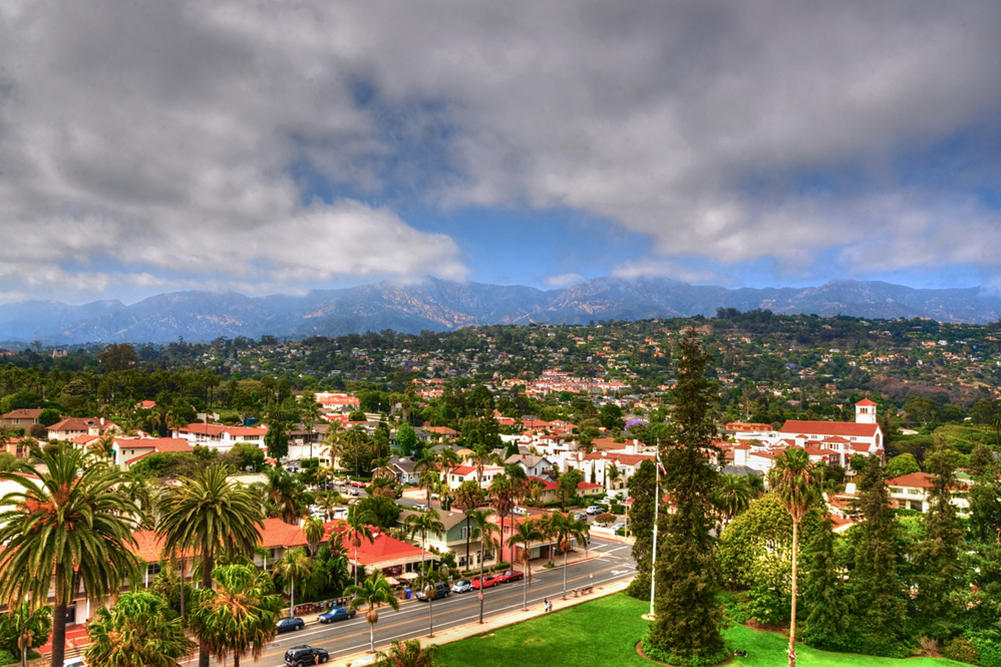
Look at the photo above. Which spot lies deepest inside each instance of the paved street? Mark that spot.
(610, 561)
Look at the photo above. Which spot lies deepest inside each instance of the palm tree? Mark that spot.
(564, 529)
(485, 530)
(328, 501)
(380, 468)
(140, 630)
(314, 530)
(408, 653)
(208, 515)
(467, 497)
(375, 592)
(524, 534)
(427, 468)
(426, 581)
(310, 412)
(334, 443)
(421, 524)
(294, 565)
(731, 497)
(481, 457)
(285, 493)
(239, 616)
(359, 526)
(613, 475)
(996, 425)
(503, 491)
(797, 487)
(66, 525)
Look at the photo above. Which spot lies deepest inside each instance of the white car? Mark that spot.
(75, 662)
(593, 509)
(519, 510)
(462, 586)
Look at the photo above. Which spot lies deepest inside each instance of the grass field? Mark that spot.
(605, 632)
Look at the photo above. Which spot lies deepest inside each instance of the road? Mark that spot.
(611, 561)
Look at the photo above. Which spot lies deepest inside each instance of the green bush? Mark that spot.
(987, 644)
(734, 607)
(618, 509)
(655, 653)
(961, 649)
(7, 658)
(501, 566)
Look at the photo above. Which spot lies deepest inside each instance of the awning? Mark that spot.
(409, 576)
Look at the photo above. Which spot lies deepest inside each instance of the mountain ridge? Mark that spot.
(442, 305)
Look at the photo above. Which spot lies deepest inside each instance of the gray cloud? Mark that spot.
(163, 135)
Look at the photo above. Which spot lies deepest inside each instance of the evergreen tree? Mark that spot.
(642, 490)
(938, 572)
(687, 627)
(825, 600)
(880, 622)
(985, 496)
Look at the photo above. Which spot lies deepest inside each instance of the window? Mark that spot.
(152, 569)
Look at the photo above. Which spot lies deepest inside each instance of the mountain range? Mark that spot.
(441, 305)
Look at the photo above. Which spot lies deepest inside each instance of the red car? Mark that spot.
(488, 581)
(510, 575)
(360, 485)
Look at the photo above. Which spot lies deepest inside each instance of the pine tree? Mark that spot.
(641, 490)
(879, 626)
(688, 622)
(985, 496)
(825, 600)
(937, 557)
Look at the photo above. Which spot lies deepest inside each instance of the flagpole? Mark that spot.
(653, 561)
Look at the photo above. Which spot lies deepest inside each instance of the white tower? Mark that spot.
(865, 412)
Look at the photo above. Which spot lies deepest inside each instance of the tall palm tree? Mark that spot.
(310, 412)
(503, 491)
(208, 515)
(285, 493)
(798, 488)
(64, 526)
(564, 528)
(239, 615)
(429, 577)
(524, 534)
(408, 653)
(375, 592)
(328, 501)
(314, 530)
(295, 565)
(731, 497)
(359, 525)
(467, 497)
(487, 532)
(420, 525)
(334, 443)
(427, 467)
(140, 630)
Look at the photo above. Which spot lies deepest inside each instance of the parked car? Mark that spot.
(359, 485)
(462, 586)
(434, 496)
(440, 591)
(420, 507)
(75, 662)
(299, 656)
(619, 526)
(487, 581)
(519, 510)
(510, 575)
(290, 625)
(580, 516)
(594, 509)
(337, 614)
(353, 492)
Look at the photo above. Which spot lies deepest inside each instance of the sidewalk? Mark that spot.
(474, 629)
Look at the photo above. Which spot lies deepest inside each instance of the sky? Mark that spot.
(275, 147)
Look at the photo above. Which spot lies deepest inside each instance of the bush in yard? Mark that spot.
(604, 518)
(961, 649)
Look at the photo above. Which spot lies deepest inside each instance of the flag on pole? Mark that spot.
(661, 466)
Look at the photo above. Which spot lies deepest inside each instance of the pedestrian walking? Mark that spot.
(545, 604)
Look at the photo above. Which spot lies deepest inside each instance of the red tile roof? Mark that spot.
(921, 480)
(464, 470)
(830, 428)
(159, 444)
(277, 533)
(866, 403)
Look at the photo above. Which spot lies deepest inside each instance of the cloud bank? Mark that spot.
(147, 145)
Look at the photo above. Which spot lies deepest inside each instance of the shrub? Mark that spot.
(501, 566)
(987, 644)
(655, 653)
(961, 649)
(7, 658)
(618, 509)
(604, 518)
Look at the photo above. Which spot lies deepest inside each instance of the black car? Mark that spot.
(298, 656)
(290, 625)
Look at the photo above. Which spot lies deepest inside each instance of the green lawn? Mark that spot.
(604, 632)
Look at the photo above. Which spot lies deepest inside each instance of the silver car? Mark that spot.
(462, 586)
